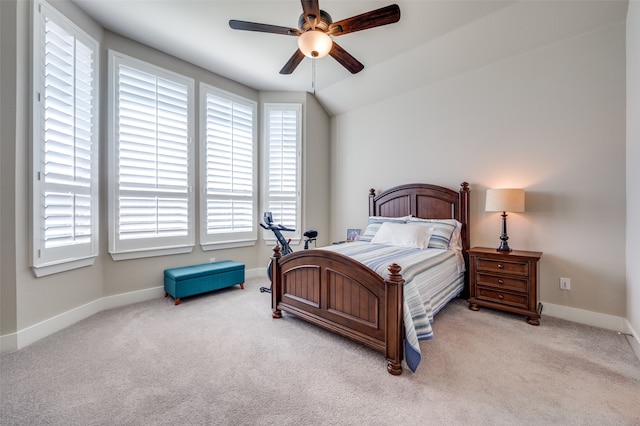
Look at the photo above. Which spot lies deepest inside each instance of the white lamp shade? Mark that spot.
(315, 43)
(505, 200)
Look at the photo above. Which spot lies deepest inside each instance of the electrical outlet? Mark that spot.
(565, 283)
(212, 260)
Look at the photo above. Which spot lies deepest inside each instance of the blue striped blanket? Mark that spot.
(432, 278)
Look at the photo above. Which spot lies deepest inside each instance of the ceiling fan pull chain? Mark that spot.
(313, 76)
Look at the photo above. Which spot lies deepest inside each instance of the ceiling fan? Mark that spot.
(314, 28)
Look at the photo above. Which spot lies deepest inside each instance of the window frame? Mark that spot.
(231, 239)
(122, 249)
(295, 236)
(51, 260)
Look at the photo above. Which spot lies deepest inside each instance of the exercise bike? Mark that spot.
(285, 248)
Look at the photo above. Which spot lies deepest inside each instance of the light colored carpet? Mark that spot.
(220, 359)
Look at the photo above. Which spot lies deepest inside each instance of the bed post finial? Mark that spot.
(394, 338)
(372, 207)
(394, 273)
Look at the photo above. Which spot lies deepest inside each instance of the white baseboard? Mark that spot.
(26, 336)
(124, 299)
(596, 319)
(256, 273)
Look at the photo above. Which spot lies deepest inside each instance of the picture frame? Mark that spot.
(353, 234)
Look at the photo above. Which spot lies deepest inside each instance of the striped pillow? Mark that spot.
(375, 222)
(443, 230)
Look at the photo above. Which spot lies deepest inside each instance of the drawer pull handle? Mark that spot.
(500, 266)
(500, 296)
(500, 282)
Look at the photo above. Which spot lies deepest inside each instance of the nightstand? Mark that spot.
(505, 280)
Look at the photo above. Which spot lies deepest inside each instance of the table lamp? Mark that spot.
(505, 200)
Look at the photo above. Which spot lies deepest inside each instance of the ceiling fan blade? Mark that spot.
(293, 62)
(311, 12)
(349, 62)
(263, 28)
(375, 18)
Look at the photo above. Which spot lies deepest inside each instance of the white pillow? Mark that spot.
(456, 238)
(403, 235)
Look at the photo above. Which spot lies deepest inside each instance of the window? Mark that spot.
(65, 144)
(228, 202)
(150, 160)
(282, 169)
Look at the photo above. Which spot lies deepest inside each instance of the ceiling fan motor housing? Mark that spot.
(323, 23)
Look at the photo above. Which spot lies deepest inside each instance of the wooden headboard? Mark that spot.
(426, 202)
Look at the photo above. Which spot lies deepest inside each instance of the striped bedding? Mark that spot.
(432, 278)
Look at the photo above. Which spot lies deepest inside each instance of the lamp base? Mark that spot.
(504, 246)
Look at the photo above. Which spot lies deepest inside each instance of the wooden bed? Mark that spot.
(347, 298)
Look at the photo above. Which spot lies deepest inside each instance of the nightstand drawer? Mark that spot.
(503, 297)
(502, 282)
(491, 265)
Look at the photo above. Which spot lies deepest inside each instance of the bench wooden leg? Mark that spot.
(242, 286)
(166, 294)
(177, 301)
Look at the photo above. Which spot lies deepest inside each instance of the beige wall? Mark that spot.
(316, 197)
(551, 121)
(8, 50)
(32, 307)
(633, 171)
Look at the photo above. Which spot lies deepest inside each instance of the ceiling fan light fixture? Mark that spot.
(315, 44)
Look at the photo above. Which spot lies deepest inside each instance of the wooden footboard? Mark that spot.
(342, 296)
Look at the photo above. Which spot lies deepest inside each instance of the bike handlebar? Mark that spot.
(278, 227)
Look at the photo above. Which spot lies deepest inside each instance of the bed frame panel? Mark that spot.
(347, 298)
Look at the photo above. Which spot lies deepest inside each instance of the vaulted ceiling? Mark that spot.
(433, 40)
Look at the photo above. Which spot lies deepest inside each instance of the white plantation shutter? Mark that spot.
(283, 138)
(151, 200)
(228, 209)
(65, 208)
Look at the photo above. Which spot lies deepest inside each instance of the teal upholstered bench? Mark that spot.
(198, 279)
